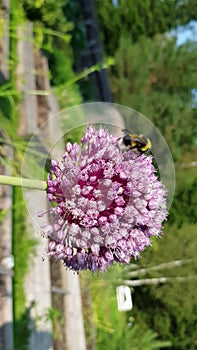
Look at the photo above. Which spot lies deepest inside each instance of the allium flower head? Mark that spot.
(109, 203)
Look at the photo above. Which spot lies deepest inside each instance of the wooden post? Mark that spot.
(4, 40)
(37, 284)
(74, 329)
(160, 280)
(6, 304)
(169, 265)
(26, 80)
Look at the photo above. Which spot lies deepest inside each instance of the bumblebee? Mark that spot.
(135, 142)
(139, 143)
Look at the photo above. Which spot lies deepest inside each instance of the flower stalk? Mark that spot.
(22, 182)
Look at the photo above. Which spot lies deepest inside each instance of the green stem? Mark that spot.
(22, 182)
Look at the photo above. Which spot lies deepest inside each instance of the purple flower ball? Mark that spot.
(108, 203)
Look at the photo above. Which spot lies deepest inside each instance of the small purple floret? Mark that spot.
(109, 203)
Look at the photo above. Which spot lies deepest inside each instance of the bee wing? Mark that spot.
(126, 131)
(138, 140)
(133, 137)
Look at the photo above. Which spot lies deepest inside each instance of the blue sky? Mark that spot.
(185, 33)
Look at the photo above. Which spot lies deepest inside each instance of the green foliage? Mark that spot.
(165, 308)
(156, 77)
(18, 146)
(175, 244)
(63, 77)
(170, 308)
(49, 12)
(185, 202)
(52, 314)
(115, 330)
(156, 80)
(61, 66)
(23, 245)
(2, 215)
(135, 18)
(53, 34)
(9, 96)
(78, 32)
(2, 20)
(145, 339)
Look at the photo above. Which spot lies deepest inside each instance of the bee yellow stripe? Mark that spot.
(147, 146)
(133, 143)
